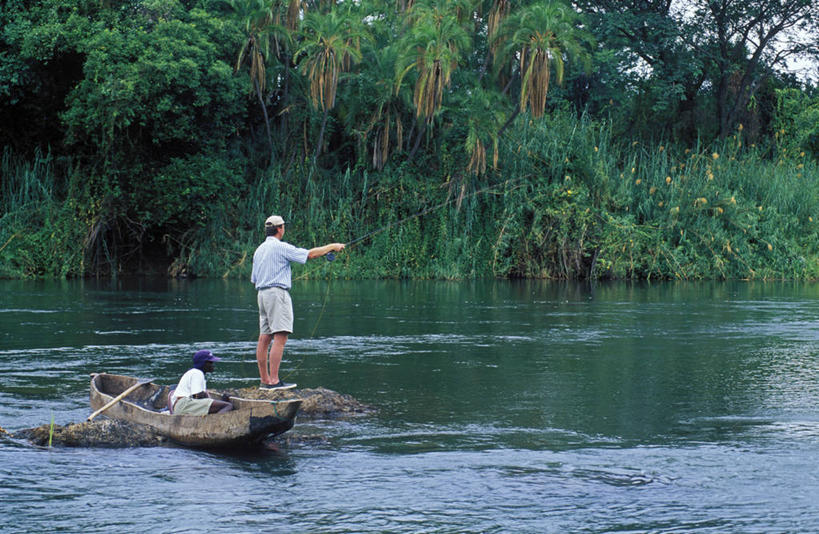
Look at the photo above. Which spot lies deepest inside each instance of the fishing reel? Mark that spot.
(330, 256)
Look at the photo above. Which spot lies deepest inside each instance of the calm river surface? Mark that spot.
(502, 407)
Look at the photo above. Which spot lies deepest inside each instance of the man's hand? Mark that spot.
(326, 249)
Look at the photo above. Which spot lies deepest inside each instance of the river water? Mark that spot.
(502, 407)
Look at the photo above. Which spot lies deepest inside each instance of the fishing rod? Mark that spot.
(331, 256)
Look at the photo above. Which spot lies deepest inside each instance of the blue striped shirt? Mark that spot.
(271, 263)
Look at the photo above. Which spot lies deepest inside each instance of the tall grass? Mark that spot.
(25, 183)
(39, 235)
(725, 212)
(567, 201)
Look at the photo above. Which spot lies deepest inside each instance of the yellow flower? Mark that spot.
(715, 155)
(660, 204)
(662, 148)
(760, 208)
(770, 247)
(700, 201)
(733, 200)
(802, 154)
(652, 190)
(675, 210)
(568, 178)
(634, 143)
(800, 166)
(637, 181)
(740, 127)
(633, 170)
(710, 175)
(668, 179)
(595, 149)
(719, 210)
(810, 219)
(687, 150)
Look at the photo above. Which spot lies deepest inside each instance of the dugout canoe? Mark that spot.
(247, 425)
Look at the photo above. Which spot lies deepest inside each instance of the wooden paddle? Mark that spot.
(118, 398)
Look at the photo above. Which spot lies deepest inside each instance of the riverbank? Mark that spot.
(569, 203)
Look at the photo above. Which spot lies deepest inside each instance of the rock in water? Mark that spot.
(100, 433)
(316, 403)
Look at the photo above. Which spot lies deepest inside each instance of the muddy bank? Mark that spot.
(318, 403)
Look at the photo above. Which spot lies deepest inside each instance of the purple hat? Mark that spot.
(203, 356)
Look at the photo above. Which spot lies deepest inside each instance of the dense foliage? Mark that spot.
(442, 138)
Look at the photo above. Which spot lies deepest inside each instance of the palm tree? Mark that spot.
(483, 112)
(330, 44)
(539, 36)
(433, 46)
(497, 14)
(374, 113)
(262, 31)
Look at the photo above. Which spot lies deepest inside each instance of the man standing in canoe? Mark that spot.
(191, 395)
(271, 276)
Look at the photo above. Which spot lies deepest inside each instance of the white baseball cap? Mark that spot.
(274, 220)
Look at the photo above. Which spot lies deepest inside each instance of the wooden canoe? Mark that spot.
(248, 424)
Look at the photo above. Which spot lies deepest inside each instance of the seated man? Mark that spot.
(191, 397)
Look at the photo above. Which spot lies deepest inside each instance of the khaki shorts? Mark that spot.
(275, 311)
(191, 406)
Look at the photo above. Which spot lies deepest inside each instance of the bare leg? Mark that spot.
(218, 406)
(276, 352)
(262, 357)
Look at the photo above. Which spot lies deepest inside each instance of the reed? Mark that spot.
(726, 211)
(25, 182)
(51, 431)
(568, 201)
(40, 232)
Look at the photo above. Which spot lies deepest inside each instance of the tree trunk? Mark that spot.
(509, 120)
(284, 127)
(266, 119)
(320, 137)
(421, 130)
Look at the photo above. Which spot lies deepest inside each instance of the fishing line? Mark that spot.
(331, 256)
(313, 333)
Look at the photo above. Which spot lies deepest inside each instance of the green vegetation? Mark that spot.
(446, 138)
